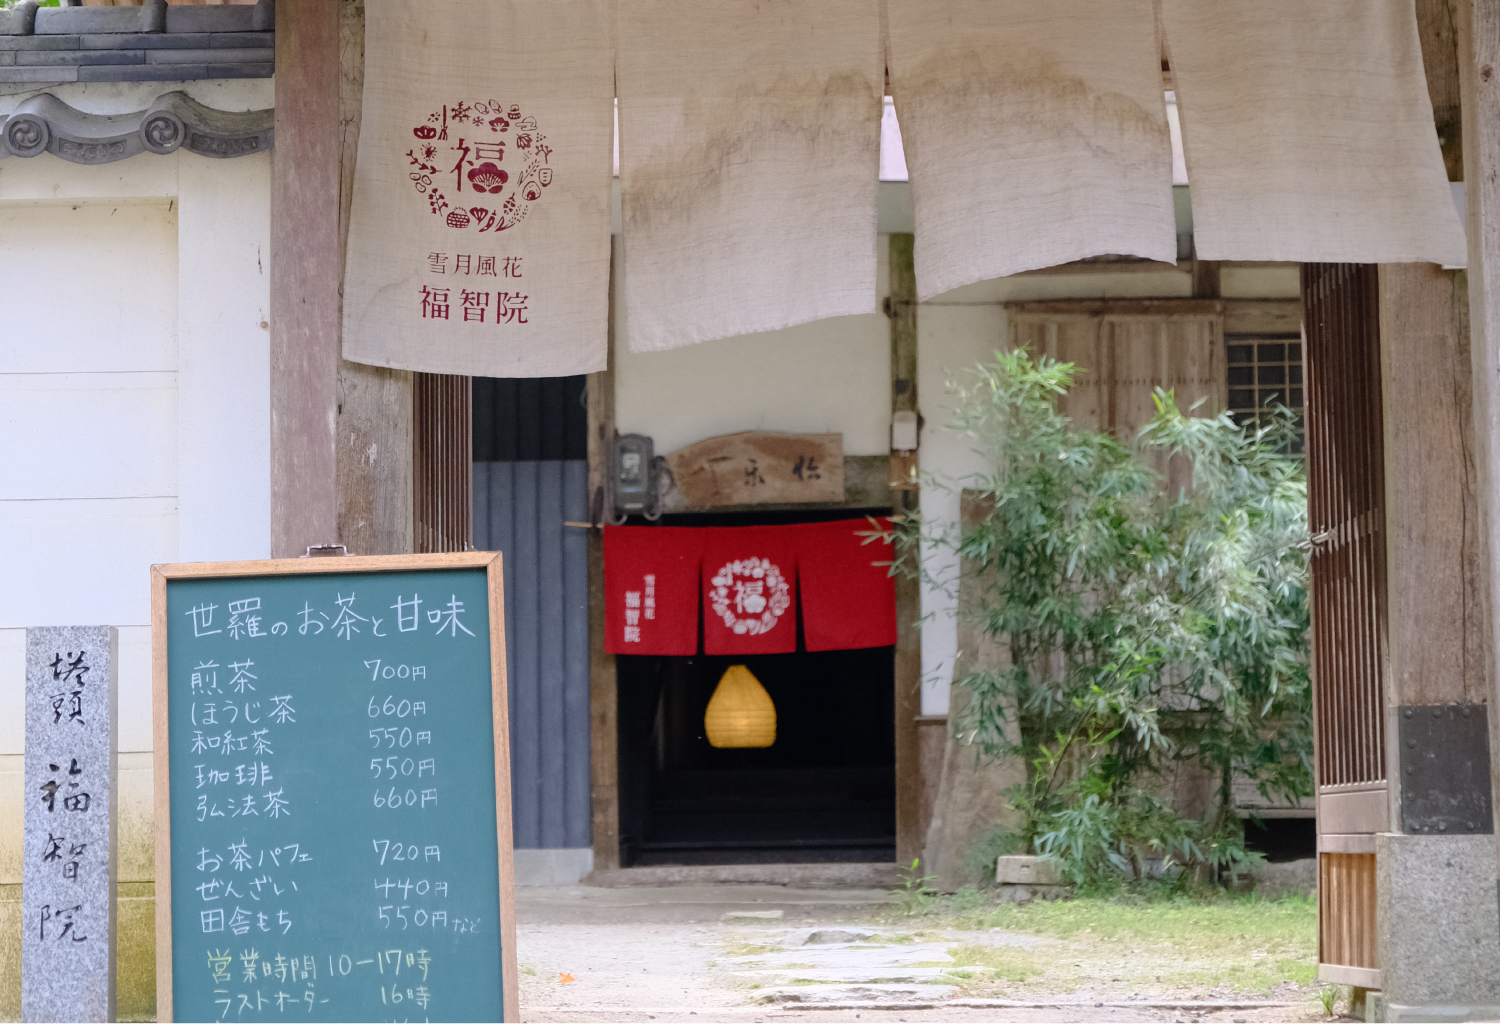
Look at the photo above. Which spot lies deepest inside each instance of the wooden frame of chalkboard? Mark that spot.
(163, 575)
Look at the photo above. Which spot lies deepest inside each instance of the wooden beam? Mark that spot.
(604, 736)
(1478, 23)
(305, 278)
(910, 837)
(375, 403)
(1262, 316)
(1154, 308)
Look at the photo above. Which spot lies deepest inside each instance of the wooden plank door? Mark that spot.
(1125, 350)
(1346, 509)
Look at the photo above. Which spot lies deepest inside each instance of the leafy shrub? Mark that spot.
(1140, 630)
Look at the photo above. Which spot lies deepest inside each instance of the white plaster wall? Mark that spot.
(831, 376)
(134, 384)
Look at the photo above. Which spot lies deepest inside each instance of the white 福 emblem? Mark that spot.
(750, 594)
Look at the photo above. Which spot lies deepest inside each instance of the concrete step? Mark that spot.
(800, 876)
(704, 904)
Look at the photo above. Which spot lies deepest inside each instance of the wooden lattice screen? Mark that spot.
(443, 463)
(1346, 508)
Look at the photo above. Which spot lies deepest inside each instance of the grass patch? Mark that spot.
(1005, 963)
(1137, 938)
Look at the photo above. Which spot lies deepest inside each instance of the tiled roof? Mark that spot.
(151, 43)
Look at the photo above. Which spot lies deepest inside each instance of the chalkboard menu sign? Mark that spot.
(333, 790)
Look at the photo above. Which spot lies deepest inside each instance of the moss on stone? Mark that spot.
(10, 952)
(135, 952)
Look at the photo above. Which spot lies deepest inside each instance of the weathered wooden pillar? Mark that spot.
(904, 497)
(375, 404)
(1436, 851)
(341, 432)
(1438, 920)
(305, 275)
(604, 758)
(1478, 63)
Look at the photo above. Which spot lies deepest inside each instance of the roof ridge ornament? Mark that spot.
(173, 121)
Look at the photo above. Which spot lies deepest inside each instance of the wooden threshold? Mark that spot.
(1360, 977)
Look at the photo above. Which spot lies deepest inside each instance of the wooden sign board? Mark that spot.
(757, 467)
(332, 775)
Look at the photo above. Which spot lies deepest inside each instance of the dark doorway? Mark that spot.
(1282, 839)
(824, 791)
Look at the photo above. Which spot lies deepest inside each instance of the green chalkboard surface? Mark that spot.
(331, 764)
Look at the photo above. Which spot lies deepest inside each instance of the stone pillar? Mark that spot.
(68, 878)
(1439, 941)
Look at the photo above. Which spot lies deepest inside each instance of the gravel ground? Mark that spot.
(749, 954)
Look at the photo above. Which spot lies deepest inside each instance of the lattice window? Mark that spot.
(1264, 370)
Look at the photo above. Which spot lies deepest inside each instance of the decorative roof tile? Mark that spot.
(45, 124)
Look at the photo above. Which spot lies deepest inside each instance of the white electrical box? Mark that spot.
(904, 432)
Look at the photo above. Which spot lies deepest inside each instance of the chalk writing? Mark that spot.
(405, 851)
(395, 671)
(399, 709)
(267, 683)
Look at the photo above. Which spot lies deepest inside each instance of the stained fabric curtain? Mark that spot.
(1035, 134)
(749, 163)
(479, 230)
(745, 583)
(1309, 133)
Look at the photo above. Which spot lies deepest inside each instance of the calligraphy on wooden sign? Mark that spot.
(757, 467)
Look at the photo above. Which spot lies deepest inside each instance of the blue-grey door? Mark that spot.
(530, 475)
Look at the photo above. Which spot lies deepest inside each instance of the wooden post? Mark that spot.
(1438, 630)
(904, 493)
(1438, 605)
(604, 763)
(305, 276)
(1437, 27)
(1478, 62)
(375, 403)
(1206, 275)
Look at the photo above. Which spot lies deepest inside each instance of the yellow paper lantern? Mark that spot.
(740, 713)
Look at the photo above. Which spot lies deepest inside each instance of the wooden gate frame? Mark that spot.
(896, 471)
